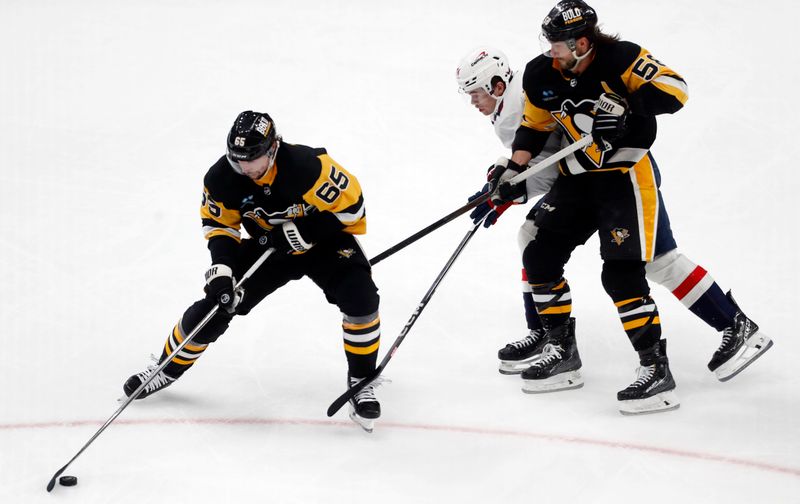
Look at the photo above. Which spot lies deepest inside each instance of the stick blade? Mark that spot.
(52, 482)
(351, 392)
(339, 402)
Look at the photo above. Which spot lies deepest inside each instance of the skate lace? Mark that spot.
(159, 381)
(727, 338)
(528, 340)
(367, 394)
(643, 375)
(550, 353)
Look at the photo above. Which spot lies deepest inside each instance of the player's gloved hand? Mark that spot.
(487, 209)
(219, 285)
(285, 239)
(611, 114)
(504, 170)
(510, 194)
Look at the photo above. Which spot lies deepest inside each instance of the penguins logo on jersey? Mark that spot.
(618, 235)
(268, 220)
(576, 121)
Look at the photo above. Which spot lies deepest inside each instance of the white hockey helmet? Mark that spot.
(479, 67)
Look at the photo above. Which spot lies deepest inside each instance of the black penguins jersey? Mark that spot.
(304, 185)
(555, 99)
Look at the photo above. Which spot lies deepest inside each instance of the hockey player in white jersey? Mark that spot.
(496, 91)
(486, 77)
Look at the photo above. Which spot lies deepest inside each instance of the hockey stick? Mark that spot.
(160, 367)
(533, 170)
(429, 229)
(355, 389)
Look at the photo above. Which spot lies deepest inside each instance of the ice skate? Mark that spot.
(162, 380)
(742, 343)
(364, 406)
(654, 388)
(517, 356)
(558, 367)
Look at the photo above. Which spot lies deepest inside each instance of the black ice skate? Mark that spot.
(162, 380)
(364, 407)
(654, 388)
(742, 343)
(517, 356)
(558, 366)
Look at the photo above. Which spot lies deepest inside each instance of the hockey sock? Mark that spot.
(694, 287)
(362, 337)
(531, 316)
(553, 302)
(185, 358)
(639, 317)
(710, 304)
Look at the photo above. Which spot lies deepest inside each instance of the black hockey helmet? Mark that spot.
(251, 136)
(569, 19)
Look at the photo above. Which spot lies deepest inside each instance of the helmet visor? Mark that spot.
(555, 49)
(235, 157)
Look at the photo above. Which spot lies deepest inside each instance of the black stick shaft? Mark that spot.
(52, 483)
(352, 391)
(433, 227)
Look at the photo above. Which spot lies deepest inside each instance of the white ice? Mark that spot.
(112, 111)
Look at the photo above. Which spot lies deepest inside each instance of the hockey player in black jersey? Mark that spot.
(590, 82)
(306, 206)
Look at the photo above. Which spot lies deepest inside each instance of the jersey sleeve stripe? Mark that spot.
(353, 213)
(212, 231)
(627, 155)
(673, 86)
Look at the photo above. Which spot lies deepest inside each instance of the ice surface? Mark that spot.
(111, 113)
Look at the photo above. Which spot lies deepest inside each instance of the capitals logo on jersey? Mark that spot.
(576, 121)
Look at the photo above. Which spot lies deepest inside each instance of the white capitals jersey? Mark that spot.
(506, 118)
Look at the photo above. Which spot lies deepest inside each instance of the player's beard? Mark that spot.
(568, 63)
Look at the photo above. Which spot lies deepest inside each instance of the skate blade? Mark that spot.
(755, 346)
(564, 381)
(665, 401)
(517, 367)
(368, 424)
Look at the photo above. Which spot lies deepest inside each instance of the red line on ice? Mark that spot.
(426, 427)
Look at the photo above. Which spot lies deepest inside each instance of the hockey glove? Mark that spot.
(504, 192)
(611, 114)
(486, 211)
(219, 285)
(285, 239)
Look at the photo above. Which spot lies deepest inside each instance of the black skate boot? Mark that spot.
(742, 343)
(558, 365)
(364, 407)
(162, 380)
(517, 356)
(654, 388)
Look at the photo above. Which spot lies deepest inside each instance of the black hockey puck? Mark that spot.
(68, 481)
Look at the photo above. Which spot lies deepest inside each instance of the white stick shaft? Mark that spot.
(558, 156)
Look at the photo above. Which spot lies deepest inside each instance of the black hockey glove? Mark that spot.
(611, 114)
(486, 211)
(219, 285)
(504, 192)
(285, 239)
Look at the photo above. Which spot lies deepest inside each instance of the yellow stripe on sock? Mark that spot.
(183, 362)
(356, 327)
(626, 301)
(179, 338)
(556, 309)
(362, 350)
(633, 324)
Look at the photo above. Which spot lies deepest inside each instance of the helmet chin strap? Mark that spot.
(578, 59)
